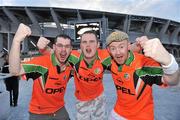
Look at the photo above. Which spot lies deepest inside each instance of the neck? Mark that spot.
(89, 60)
(60, 63)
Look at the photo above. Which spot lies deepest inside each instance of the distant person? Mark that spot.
(134, 74)
(50, 74)
(12, 83)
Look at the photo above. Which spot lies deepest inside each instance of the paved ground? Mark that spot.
(167, 101)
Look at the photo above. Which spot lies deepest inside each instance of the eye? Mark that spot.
(92, 41)
(121, 46)
(67, 46)
(84, 42)
(112, 48)
(59, 45)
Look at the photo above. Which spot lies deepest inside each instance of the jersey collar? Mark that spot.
(56, 63)
(130, 59)
(127, 62)
(54, 60)
(89, 65)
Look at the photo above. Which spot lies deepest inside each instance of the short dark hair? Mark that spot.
(91, 32)
(62, 36)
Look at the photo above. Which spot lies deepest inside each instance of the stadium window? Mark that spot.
(80, 28)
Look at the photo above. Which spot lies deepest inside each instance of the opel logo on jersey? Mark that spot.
(97, 70)
(126, 76)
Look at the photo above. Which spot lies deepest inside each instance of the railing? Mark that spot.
(4, 75)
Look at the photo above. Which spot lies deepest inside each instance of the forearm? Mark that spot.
(14, 58)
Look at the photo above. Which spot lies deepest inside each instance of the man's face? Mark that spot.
(62, 49)
(89, 46)
(119, 51)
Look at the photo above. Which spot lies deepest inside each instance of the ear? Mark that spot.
(54, 47)
(108, 49)
(71, 48)
(129, 46)
(98, 45)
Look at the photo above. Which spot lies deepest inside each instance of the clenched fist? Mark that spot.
(42, 43)
(21, 33)
(153, 48)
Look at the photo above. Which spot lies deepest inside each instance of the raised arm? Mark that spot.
(14, 56)
(153, 48)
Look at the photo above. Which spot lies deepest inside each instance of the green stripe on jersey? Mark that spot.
(152, 71)
(73, 59)
(106, 62)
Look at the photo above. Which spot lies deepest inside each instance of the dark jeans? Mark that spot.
(13, 87)
(13, 97)
(61, 114)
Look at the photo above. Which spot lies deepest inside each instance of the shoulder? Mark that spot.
(104, 57)
(74, 56)
(38, 60)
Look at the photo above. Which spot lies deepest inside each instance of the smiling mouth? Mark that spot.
(119, 57)
(63, 56)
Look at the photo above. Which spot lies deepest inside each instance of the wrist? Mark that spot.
(172, 67)
(42, 50)
(17, 40)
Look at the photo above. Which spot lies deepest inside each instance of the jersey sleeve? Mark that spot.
(151, 72)
(74, 58)
(35, 68)
(105, 58)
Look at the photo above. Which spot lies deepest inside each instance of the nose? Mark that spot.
(88, 44)
(118, 51)
(63, 48)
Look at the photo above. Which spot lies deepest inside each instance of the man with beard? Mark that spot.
(50, 74)
(134, 74)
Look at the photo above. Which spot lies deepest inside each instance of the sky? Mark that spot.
(167, 9)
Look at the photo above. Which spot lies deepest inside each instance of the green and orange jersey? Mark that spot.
(133, 82)
(49, 83)
(88, 77)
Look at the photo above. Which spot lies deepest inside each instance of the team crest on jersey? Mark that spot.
(126, 76)
(97, 70)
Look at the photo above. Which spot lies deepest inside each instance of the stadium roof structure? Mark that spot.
(50, 21)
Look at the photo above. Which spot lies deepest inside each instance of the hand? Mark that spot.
(153, 48)
(22, 32)
(136, 47)
(42, 43)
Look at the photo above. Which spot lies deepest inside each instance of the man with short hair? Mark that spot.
(50, 74)
(89, 67)
(134, 74)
